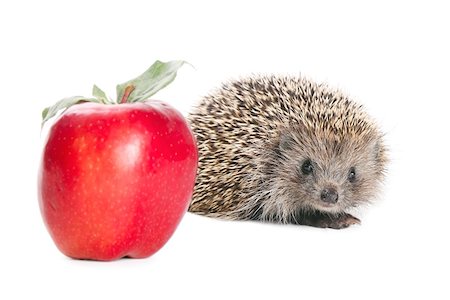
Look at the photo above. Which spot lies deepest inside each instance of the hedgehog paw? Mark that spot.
(327, 221)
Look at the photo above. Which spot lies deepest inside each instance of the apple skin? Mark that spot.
(116, 180)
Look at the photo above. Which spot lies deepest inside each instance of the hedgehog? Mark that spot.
(285, 149)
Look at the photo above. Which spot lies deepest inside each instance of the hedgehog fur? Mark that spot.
(272, 148)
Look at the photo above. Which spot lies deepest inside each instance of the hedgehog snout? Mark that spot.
(329, 195)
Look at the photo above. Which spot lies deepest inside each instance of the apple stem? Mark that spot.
(128, 90)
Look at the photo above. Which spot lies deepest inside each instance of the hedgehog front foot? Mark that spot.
(326, 221)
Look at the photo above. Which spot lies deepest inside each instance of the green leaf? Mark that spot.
(158, 76)
(65, 103)
(100, 95)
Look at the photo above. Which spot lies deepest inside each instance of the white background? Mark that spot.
(391, 57)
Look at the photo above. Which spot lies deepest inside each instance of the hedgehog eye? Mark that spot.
(307, 167)
(351, 174)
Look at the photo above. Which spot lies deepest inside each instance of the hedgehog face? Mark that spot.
(328, 172)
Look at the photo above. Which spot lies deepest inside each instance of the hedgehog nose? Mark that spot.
(329, 195)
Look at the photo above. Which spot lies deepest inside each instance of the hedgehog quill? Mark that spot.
(285, 149)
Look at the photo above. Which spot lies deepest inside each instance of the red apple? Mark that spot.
(116, 179)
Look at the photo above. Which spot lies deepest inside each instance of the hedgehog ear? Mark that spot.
(379, 151)
(286, 142)
(376, 149)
